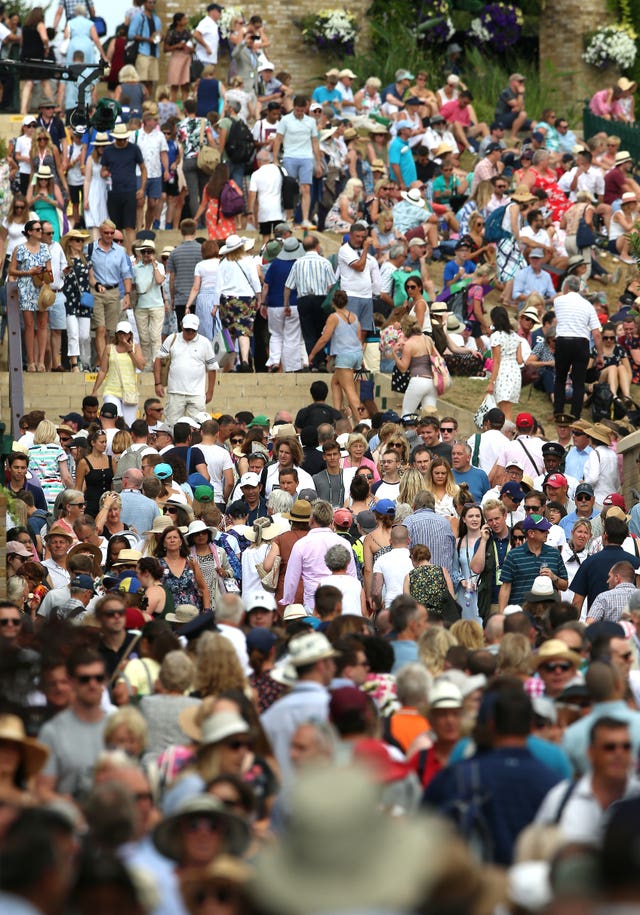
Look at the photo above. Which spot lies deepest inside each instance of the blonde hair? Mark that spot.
(411, 484)
(373, 83)
(451, 487)
(433, 646)
(533, 300)
(132, 719)
(410, 326)
(614, 140)
(46, 433)
(217, 665)
(208, 71)
(514, 655)
(350, 187)
(483, 194)
(128, 74)
(468, 633)
(354, 438)
(121, 441)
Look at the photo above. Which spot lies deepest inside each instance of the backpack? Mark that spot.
(289, 191)
(493, 230)
(601, 401)
(240, 146)
(231, 200)
(128, 460)
(467, 810)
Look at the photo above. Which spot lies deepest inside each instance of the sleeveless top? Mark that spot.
(345, 336)
(32, 45)
(121, 375)
(428, 586)
(420, 366)
(208, 97)
(97, 482)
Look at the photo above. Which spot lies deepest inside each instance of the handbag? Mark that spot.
(39, 279)
(366, 384)
(269, 579)
(585, 236)
(399, 380)
(226, 585)
(208, 156)
(87, 300)
(441, 376)
(222, 343)
(46, 298)
(489, 403)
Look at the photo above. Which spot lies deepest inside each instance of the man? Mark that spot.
(402, 166)
(553, 457)
(463, 472)
(81, 593)
(155, 152)
(306, 560)
(75, 736)
(425, 526)
(428, 429)
(390, 568)
(585, 508)
(577, 455)
(58, 541)
(184, 449)
(219, 463)
(584, 176)
(330, 482)
(493, 549)
(264, 129)
(18, 464)
(153, 411)
(525, 563)
(352, 667)
(533, 278)
(567, 139)
(409, 620)
(513, 473)
(389, 486)
(556, 489)
(111, 266)
(448, 429)
(261, 610)
(56, 685)
(404, 726)
(489, 167)
(577, 323)
(181, 267)
(395, 93)
(445, 720)
(131, 457)
(329, 94)
(137, 511)
(591, 579)
(163, 438)
(359, 276)
(345, 88)
(312, 657)
(512, 496)
(207, 38)
(145, 29)
(319, 411)
(119, 163)
(461, 117)
(487, 446)
(298, 135)
(265, 194)
(611, 604)
(79, 565)
(618, 180)
(312, 277)
(526, 448)
(192, 374)
(110, 613)
(510, 110)
(252, 496)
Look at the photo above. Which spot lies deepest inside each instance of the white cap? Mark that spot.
(261, 599)
(123, 327)
(187, 419)
(514, 463)
(191, 322)
(249, 479)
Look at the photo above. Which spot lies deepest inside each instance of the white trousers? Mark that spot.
(420, 393)
(128, 411)
(285, 343)
(79, 339)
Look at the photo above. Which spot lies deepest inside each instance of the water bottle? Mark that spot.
(467, 595)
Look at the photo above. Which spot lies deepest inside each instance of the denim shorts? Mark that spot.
(152, 189)
(57, 313)
(349, 359)
(301, 169)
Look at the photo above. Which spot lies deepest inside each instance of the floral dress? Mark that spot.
(183, 587)
(509, 381)
(613, 358)
(628, 344)
(75, 282)
(218, 226)
(25, 260)
(428, 586)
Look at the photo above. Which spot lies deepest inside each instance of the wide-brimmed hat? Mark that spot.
(44, 172)
(34, 754)
(622, 156)
(347, 72)
(300, 511)
(414, 196)
(454, 325)
(77, 233)
(291, 250)
(234, 832)
(269, 530)
(196, 527)
(378, 128)
(600, 433)
(183, 613)
(224, 871)
(102, 139)
(294, 612)
(309, 648)
(556, 648)
(378, 166)
(336, 828)
(541, 590)
(91, 550)
(439, 308)
(522, 194)
(56, 530)
(120, 132)
(284, 430)
(442, 150)
(160, 523)
(235, 242)
(326, 133)
(626, 84)
(126, 558)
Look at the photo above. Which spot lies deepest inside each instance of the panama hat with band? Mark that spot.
(56, 530)
(33, 754)
(556, 648)
(102, 139)
(235, 242)
(300, 511)
(414, 197)
(168, 834)
(522, 194)
(120, 132)
(44, 173)
(183, 613)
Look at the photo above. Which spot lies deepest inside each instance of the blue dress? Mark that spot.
(25, 260)
(80, 39)
(468, 600)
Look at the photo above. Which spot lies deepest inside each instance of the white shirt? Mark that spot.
(492, 446)
(238, 278)
(237, 639)
(361, 284)
(190, 362)
(208, 273)
(351, 591)
(541, 236)
(58, 264)
(515, 451)
(208, 29)
(305, 480)
(297, 135)
(266, 183)
(575, 316)
(388, 491)
(601, 470)
(23, 148)
(346, 96)
(217, 460)
(58, 575)
(393, 566)
(591, 181)
(582, 818)
(151, 145)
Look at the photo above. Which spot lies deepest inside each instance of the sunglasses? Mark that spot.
(612, 746)
(11, 621)
(237, 744)
(64, 438)
(411, 286)
(113, 613)
(90, 678)
(170, 510)
(447, 429)
(46, 233)
(532, 508)
(608, 338)
(79, 504)
(518, 539)
(583, 497)
(18, 207)
(237, 441)
(556, 667)
(367, 476)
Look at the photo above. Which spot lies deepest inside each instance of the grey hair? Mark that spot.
(571, 284)
(396, 251)
(337, 557)
(80, 9)
(424, 499)
(540, 155)
(234, 104)
(265, 155)
(230, 609)
(176, 672)
(326, 736)
(413, 684)
(465, 445)
(279, 501)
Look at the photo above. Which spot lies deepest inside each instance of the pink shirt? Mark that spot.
(454, 114)
(307, 561)
(365, 462)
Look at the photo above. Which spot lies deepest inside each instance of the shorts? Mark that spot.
(152, 189)
(266, 228)
(350, 359)
(611, 246)
(362, 309)
(107, 309)
(147, 68)
(507, 120)
(300, 169)
(122, 209)
(58, 314)
(75, 192)
(171, 188)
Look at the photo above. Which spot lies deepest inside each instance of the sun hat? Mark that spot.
(44, 172)
(234, 242)
(626, 84)
(183, 613)
(284, 430)
(556, 648)
(234, 832)
(347, 72)
(535, 522)
(18, 549)
(264, 529)
(190, 322)
(378, 166)
(120, 132)
(350, 133)
(294, 612)
(522, 194)
(622, 156)
(300, 511)
(326, 133)
(160, 523)
(404, 74)
(34, 754)
(414, 197)
(126, 558)
(628, 197)
(56, 530)
(166, 251)
(196, 527)
(163, 471)
(291, 249)
(88, 549)
(600, 433)
(541, 590)
(309, 648)
(454, 325)
(439, 308)
(444, 694)
(378, 128)
(77, 233)
(102, 139)
(260, 600)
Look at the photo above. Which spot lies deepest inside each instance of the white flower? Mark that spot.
(477, 30)
(227, 18)
(611, 45)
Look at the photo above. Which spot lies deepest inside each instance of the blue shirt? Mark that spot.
(111, 266)
(569, 520)
(405, 651)
(546, 752)
(322, 95)
(140, 25)
(307, 700)
(121, 162)
(591, 578)
(575, 461)
(400, 154)
(527, 280)
(476, 479)
(137, 510)
(451, 268)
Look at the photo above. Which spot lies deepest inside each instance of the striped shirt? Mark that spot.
(431, 530)
(521, 567)
(311, 274)
(610, 605)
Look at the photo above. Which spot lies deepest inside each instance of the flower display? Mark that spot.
(437, 9)
(390, 338)
(227, 18)
(330, 30)
(614, 45)
(498, 25)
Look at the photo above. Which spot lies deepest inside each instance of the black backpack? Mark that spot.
(240, 147)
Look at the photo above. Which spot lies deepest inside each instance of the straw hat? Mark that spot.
(120, 132)
(160, 523)
(600, 433)
(183, 613)
(454, 325)
(88, 549)
(56, 530)
(626, 85)
(234, 832)
(300, 511)
(263, 529)
(102, 139)
(234, 242)
(76, 233)
(522, 194)
(556, 648)
(44, 172)
(33, 753)
(443, 150)
(284, 430)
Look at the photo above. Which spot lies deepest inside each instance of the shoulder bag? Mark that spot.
(208, 156)
(585, 236)
(269, 580)
(441, 376)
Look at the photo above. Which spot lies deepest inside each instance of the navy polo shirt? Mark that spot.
(121, 162)
(591, 577)
(522, 567)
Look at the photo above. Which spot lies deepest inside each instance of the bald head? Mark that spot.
(132, 479)
(494, 629)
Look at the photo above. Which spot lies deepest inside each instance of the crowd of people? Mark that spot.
(343, 659)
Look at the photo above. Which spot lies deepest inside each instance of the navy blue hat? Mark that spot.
(261, 639)
(84, 582)
(74, 417)
(514, 490)
(606, 628)
(390, 416)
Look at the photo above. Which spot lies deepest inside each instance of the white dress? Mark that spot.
(97, 212)
(509, 381)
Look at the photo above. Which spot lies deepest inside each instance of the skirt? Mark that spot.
(205, 302)
(237, 314)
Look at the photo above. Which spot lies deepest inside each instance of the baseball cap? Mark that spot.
(109, 409)
(616, 499)
(249, 479)
(261, 639)
(367, 521)
(385, 507)
(261, 600)
(237, 509)
(492, 147)
(536, 252)
(515, 463)
(584, 488)
(123, 327)
(84, 582)
(404, 125)
(163, 471)
(390, 416)
(163, 427)
(556, 480)
(203, 493)
(347, 699)
(535, 523)
(190, 322)
(525, 421)
(514, 490)
(404, 74)
(343, 517)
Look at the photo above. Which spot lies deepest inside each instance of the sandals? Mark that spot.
(31, 367)
(41, 367)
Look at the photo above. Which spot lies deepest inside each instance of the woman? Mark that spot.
(109, 522)
(240, 294)
(383, 236)
(285, 341)
(368, 100)
(346, 207)
(377, 542)
(50, 462)
(158, 600)
(414, 357)
(117, 543)
(360, 498)
(35, 46)
(45, 198)
(118, 368)
(182, 574)
(411, 484)
(21, 151)
(209, 92)
(281, 546)
(131, 87)
(509, 257)
(204, 291)
(217, 669)
(581, 210)
(426, 583)
(575, 551)
(616, 370)
(343, 330)
(419, 307)
(547, 179)
(21, 759)
(71, 506)
(259, 536)
(506, 351)
(356, 446)
(477, 203)
(261, 645)
(621, 225)
(31, 259)
(482, 252)
(471, 520)
(526, 174)
(179, 46)
(78, 281)
(45, 152)
(429, 101)
(95, 472)
(115, 57)
(193, 134)
(12, 229)
(96, 187)
(378, 148)
(219, 226)
(601, 468)
(211, 558)
(440, 481)
(83, 36)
